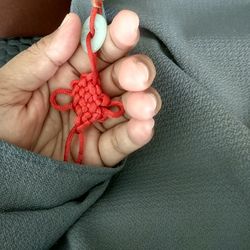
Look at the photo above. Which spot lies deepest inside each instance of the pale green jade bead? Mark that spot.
(100, 33)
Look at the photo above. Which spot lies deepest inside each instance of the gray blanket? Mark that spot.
(190, 187)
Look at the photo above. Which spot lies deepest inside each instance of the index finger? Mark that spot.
(122, 36)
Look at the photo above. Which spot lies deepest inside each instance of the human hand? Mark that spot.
(26, 82)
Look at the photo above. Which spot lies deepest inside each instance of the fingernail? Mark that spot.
(143, 72)
(65, 20)
(152, 104)
(133, 76)
(124, 29)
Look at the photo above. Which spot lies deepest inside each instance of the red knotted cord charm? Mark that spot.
(88, 100)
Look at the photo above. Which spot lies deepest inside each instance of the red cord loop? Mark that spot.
(87, 98)
(54, 103)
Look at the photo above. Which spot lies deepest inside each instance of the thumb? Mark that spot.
(36, 65)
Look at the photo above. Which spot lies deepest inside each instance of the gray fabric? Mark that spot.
(11, 47)
(189, 188)
(42, 198)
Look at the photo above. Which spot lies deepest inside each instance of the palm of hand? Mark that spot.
(56, 125)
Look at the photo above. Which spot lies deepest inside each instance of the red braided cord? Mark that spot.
(88, 101)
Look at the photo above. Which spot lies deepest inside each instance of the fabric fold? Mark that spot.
(41, 196)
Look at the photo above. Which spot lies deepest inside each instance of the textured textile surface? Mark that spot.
(11, 47)
(190, 187)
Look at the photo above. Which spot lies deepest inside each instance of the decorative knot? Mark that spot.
(90, 105)
(87, 98)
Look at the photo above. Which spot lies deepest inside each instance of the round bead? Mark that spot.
(100, 33)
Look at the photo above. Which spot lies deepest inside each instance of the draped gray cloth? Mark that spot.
(189, 188)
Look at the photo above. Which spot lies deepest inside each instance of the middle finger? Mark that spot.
(133, 73)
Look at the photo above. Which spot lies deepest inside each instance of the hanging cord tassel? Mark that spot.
(88, 100)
